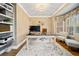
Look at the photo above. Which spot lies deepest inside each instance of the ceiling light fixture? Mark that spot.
(41, 6)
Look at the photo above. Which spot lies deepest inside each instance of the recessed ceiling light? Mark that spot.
(41, 6)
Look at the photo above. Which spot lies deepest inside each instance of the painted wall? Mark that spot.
(43, 22)
(22, 24)
(53, 25)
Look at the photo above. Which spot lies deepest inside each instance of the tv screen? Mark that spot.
(34, 28)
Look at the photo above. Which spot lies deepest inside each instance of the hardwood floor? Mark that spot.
(13, 52)
(74, 52)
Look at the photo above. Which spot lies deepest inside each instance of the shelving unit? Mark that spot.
(5, 32)
(6, 24)
(5, 6)
(6, 16)
(6, 13)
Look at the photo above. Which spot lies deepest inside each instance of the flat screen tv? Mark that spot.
(34, 28)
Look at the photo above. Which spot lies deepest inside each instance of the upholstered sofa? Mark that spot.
(73, 42)
(62, 36)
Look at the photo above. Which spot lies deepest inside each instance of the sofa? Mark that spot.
(73, 42)
(62, 36)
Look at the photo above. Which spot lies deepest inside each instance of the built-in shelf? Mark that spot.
(6, 32)
(6, 8)
(10, 4)
(6, 23)
(6, 16)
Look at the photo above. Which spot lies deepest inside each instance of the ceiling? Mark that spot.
(34, 9)
(68, 8)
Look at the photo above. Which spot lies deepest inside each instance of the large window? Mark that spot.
(59, 24)
(69, 22)
(73, 23)
(77, 23)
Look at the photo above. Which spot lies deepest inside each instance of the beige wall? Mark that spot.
(44, 23)
(53, 25)
(22, 24)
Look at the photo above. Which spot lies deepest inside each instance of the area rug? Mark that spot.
(43, 48)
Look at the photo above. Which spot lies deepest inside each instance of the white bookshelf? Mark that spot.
(5, 32)
(7, 19)
(6, 23)
(1, 5)
(6, 16)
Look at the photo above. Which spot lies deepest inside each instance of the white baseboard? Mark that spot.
(17, 46)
